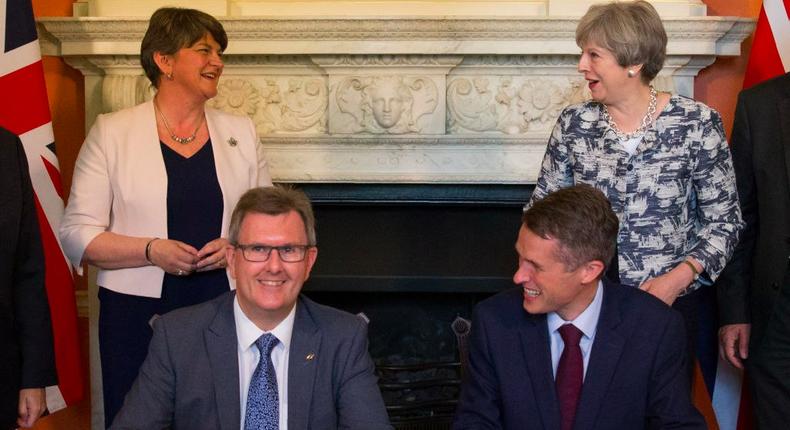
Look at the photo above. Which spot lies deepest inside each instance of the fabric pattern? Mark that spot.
(675, 197)
(262, 401)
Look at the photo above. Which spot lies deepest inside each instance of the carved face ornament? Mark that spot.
(387, 103)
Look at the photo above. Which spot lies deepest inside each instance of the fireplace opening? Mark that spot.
(413, 259)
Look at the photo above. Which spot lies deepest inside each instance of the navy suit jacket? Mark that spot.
(27, 358)
(747, 289)
(635, 378)
(190, 379)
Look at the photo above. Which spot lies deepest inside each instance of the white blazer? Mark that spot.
(120, 185)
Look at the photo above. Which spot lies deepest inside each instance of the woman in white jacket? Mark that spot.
(153, 190)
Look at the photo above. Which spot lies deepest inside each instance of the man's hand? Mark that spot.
(32, 404)
(734, 343)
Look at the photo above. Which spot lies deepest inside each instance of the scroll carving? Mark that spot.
(514, 106)
(300, 108)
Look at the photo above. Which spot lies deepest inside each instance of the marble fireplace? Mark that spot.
(408, 116)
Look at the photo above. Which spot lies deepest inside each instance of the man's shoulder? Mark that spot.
(197, 317)
(770, 89)
(328, 318)
(636, 305)
(505, 305)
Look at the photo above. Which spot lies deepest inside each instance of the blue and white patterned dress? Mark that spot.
(675, 197)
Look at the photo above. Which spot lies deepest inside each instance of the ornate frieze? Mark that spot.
(276, 104)
(392, 98)
(386, 105)
(510, 105)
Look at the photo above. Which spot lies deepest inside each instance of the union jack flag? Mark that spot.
(25, 112)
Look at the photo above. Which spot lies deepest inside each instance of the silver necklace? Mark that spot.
(181, 140)
(646, 120)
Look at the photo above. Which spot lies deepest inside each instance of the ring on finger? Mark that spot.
(180, 272)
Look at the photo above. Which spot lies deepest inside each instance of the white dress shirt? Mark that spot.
(587, 322)
(247, 333)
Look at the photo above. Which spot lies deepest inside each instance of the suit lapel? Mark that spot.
(302, 363)
(222, 347)
(604, 359)
(534, 335)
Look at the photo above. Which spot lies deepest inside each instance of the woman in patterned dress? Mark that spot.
(661, 159)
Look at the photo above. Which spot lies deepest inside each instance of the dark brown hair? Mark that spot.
(173, 28)
(276, 200)
(581, 219)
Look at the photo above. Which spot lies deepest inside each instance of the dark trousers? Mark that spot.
(768, 365)
(692, 306)
(124, 335)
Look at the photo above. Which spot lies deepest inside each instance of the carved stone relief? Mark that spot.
(389, 104)
(276, 104)
(508, 104)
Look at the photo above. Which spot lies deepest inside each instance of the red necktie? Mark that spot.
(570, 373)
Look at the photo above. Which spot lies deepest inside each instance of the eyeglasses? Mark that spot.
(259, 253)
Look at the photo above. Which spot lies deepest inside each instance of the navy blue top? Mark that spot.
(194, 216)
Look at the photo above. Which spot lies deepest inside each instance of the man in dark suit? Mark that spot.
(26, 349)
(754, 289)
(566, 350)
(262, 357)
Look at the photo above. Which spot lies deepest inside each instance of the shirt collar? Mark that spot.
(587, 321)
(247, 332)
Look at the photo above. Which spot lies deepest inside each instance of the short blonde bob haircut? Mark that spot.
(632, 31)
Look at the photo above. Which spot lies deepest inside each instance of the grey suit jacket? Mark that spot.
(748, 286)
(190, 379)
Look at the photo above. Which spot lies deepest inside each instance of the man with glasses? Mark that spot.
(262, 357)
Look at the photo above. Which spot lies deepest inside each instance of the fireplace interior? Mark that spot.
(414, 259)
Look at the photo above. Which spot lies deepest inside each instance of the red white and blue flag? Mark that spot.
(770, 55)
(25, 112)
(720, 387)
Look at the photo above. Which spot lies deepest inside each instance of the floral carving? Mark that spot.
(300, 108)
(514, 107)
(237, 96)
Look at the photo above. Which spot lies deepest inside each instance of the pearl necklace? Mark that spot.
(181, 140)
(646, 120)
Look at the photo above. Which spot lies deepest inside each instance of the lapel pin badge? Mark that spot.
(232, 141)
(310, 356)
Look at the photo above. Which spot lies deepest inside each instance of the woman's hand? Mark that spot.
(173, 256)
(212, 255)
(668, 286)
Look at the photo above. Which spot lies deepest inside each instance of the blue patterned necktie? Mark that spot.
(262, 399)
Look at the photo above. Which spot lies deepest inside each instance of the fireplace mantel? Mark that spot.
(477, 85)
